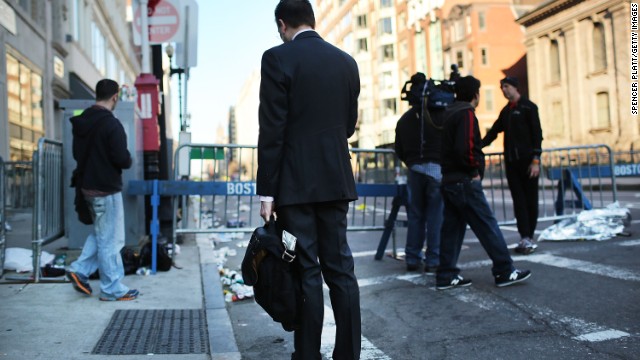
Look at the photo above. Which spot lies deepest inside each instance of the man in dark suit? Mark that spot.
(308, 109)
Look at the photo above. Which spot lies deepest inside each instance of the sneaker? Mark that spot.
(457, 281)
(130, 295)
(526, 246)
(78, 284)
(511, 278)
(430, 270)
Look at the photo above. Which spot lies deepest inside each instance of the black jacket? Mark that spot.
(308, 109)
(522, 131)
(462, 156)
(419, 141)
(108, 153)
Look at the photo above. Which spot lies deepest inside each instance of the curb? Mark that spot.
(222, 342)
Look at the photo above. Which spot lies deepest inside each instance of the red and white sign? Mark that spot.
(166, 23)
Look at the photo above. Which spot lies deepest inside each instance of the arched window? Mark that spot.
(554, 58)
(602, 103)
(599, 48)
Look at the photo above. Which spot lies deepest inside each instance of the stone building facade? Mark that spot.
(579, 68)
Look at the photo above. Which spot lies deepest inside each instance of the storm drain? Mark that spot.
(133, 332)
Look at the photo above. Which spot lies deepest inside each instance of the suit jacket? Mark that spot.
(308, 109)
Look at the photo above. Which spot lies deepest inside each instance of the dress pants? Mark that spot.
(323, 252)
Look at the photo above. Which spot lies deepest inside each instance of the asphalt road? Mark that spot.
(582, 302)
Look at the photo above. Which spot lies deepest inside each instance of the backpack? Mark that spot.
(271, 270)
(163, 259)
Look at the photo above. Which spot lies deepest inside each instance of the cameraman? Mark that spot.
(418, 142)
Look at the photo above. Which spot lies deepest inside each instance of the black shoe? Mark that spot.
(78, 284)
(412, 267)
(526, 246)
(430, 270)
(457, 281)
(513, 277)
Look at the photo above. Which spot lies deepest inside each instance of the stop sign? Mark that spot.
(165, 23)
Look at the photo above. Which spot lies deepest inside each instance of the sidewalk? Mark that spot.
(53, 321)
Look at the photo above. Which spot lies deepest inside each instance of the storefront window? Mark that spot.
(24, 100)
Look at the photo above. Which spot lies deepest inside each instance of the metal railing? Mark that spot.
(571, 179)
(48, 202)
(3, 243)
(18, 185)
(224, 199)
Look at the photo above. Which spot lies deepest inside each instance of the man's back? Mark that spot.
(308, 97)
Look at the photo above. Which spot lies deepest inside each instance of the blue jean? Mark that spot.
(101, 250)
(425, 208)
(465, 203)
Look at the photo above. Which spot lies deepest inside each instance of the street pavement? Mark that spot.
(51, 321)
(582, 302)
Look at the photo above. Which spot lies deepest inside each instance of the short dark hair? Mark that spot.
(466, 88)
(105, 89)
(295, 13)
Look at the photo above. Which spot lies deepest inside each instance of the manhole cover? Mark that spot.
(155, 332)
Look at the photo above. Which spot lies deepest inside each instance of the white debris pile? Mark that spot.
(597, 224)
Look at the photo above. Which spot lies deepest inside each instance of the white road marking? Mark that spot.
(580, 265)
(630, 243)
(601, 335)
(577, 329)
(368, 351)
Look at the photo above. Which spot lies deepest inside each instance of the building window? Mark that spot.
(25, 114)
(481, 21)
(386, 3)
(459, 59)
(389, 107)
(484, 56)
(98, 45)
(386, 82)
(362, 21)
(554, 58)
(362, 45)
(488, 99)
(387, 52)
(556, 123)
(403, 50)
(459, 30)
(384, 26)
(602, 103)
(599, 48)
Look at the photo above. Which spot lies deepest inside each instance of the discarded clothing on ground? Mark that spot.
(21, 260)
(597, 224)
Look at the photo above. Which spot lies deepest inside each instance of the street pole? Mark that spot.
(144, 20)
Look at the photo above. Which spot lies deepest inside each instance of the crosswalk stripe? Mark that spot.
(581, 265)
(629, 243)
(578, 329)
(368, 351)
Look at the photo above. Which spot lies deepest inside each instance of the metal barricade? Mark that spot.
(571, 179)
(3, 243)
(18, 185)
(48, 206)
(224, 201)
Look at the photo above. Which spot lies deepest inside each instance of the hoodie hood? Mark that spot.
(459, 105)
(83, 123)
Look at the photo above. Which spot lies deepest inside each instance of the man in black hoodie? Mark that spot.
(522, 148)
(100, 143)
(418, 143)
(464, 200)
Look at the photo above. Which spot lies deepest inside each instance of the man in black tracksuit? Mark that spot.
(417, 144)
(522, 148)
(464, 200)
